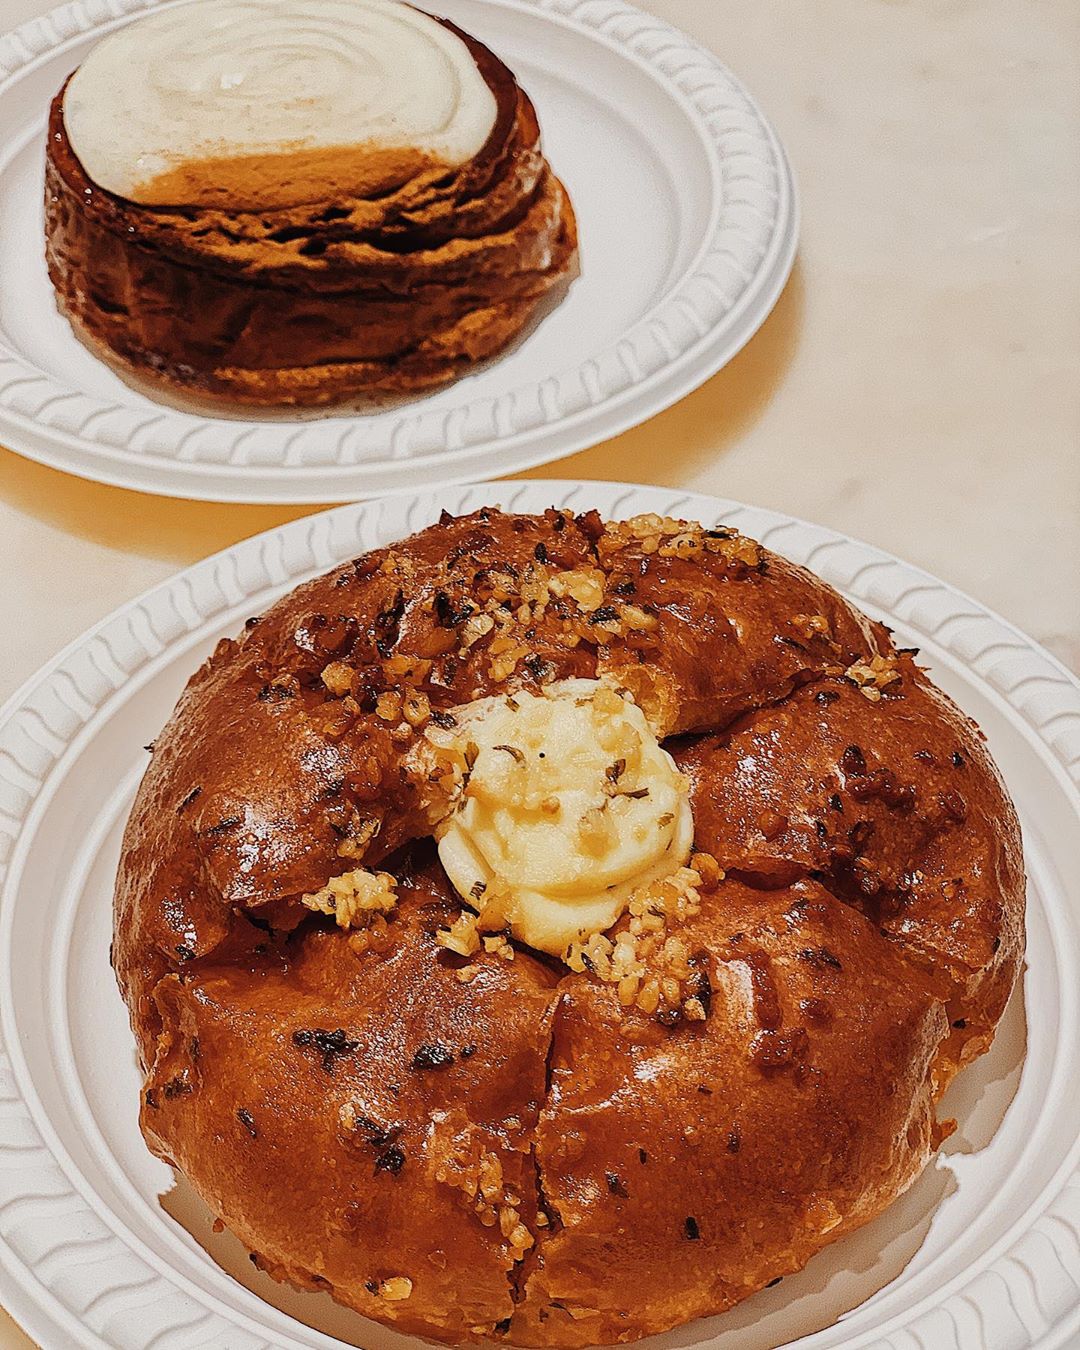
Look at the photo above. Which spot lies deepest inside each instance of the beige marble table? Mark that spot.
(916, 386)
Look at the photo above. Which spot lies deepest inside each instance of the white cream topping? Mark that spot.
(215, 79)
(570, 806)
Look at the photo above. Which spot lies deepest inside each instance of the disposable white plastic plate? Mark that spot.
(982, 1254)
(688, 226)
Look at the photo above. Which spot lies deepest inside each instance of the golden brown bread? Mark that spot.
(323, 301)
(516, 1153)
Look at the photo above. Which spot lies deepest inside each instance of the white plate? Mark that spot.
(983, 1252)
(688, 226)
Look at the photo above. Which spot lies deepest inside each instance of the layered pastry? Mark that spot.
(298, 202)
(555, 930)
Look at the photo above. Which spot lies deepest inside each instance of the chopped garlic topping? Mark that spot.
(874, 677)
(355, 898)
(566, 807)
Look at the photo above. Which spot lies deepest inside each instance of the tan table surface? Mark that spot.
(916, 385)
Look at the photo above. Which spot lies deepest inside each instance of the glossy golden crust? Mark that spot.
(323, 302)
(700, 1165)
(900, 807)
(593, 1171)
(343, 1134)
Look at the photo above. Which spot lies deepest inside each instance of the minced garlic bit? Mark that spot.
(474, 628)
(874, 677)
(355, 899)
(462, 938)
(407, 669)
(708, 869)
(477, 1172)
(415, 707)
(397, 1289)
(337, 677)
(669, 538)
(652, 968)
(360, 834)
(585, 585)
(388, 706)
(491, 621)
(498, 946)
(557, 808)
(811, 626)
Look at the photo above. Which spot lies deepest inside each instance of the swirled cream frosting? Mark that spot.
(264, 102)
(569, 806)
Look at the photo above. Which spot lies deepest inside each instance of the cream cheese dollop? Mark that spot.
(221, 80)
(567, 807)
